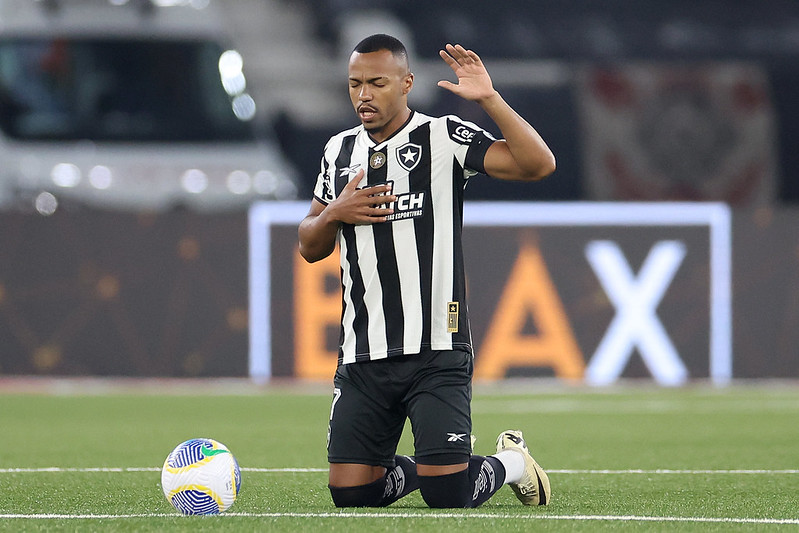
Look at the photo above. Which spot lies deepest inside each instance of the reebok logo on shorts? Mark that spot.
(455, 437)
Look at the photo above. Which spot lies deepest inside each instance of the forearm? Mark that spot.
(317, 236)
(528, 149)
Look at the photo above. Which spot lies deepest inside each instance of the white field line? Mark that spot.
(427, 515)
(57, 469)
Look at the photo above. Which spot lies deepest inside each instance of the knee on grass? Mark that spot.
(451, 491)
(370, 495)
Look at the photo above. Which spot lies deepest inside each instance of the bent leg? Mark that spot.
(444, 486)
(365, 425)
(461, 485)
(358, 485)
(354, 485)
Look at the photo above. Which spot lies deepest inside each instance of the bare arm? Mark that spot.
(522, 154)
(318, 230)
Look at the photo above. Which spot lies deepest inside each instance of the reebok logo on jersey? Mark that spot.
(346, 172)
(409, 155)
(455, 437)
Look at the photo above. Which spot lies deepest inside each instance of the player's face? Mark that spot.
(379, 87)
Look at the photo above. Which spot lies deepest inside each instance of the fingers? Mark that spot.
(364, 205)
(378, 195)
(353, 186)
(377, 210)
(458, 55)
(353, 183)
(376, 214)
(444, 84)
(447, 58)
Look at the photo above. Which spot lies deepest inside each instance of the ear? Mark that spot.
(407, 83)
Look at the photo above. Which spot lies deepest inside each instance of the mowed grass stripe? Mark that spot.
(428, 515)
(617, 406)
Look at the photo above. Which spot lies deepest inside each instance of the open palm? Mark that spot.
(474, 83)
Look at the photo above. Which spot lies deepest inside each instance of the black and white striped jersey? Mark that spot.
(403, 280)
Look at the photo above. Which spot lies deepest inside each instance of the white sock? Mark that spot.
(513, 463)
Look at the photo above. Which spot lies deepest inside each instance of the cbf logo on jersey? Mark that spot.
(409, 155)
(460, 133)
(407, 205)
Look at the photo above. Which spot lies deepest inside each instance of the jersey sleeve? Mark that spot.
(473, 143)
(324, 190)
(475, 155)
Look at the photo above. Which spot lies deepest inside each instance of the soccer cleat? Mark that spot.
(533, 488)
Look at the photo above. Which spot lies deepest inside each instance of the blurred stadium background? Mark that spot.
(124, 246)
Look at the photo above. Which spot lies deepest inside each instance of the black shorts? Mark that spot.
(371, 401)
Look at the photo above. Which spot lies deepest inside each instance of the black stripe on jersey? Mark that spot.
(343, 162)
(387, 269)
(419, 179)
(357, 291)
(361, 322)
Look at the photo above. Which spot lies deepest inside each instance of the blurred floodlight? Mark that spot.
(197, 4)
(230, 64)
(244, 107)
(239, 182)
(100, 177)
(65, 175)
(265, 182)
(286, 190)
(194, 180)
(235, 84)
(45, 203)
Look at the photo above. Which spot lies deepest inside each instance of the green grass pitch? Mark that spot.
(622, 459)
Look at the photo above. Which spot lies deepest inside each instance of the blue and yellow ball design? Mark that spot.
(200, 477)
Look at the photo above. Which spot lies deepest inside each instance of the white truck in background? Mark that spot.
(128, 104)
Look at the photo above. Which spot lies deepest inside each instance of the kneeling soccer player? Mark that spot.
(390, 194)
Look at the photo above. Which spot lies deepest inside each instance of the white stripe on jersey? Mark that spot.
(408, 265)
(386, 327)
(373, 298)
(348, 316)
(442, 250)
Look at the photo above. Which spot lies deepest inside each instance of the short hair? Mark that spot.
(381, 41)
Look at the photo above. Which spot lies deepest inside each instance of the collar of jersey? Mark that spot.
(375, 143)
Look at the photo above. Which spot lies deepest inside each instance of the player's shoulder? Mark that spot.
(459, 130)
(340, 136)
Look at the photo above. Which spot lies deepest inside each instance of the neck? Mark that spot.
(390, 128)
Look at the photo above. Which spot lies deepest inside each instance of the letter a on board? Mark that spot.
(529, 291)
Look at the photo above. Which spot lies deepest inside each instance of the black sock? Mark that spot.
(359, 496)
(450, 491)
(397, 483)
(486, 476)
(400, 480)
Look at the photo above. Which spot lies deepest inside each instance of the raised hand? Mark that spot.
(474, 83)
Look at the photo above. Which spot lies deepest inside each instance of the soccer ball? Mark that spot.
(201, 476)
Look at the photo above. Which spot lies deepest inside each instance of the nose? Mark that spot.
(364, 95)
